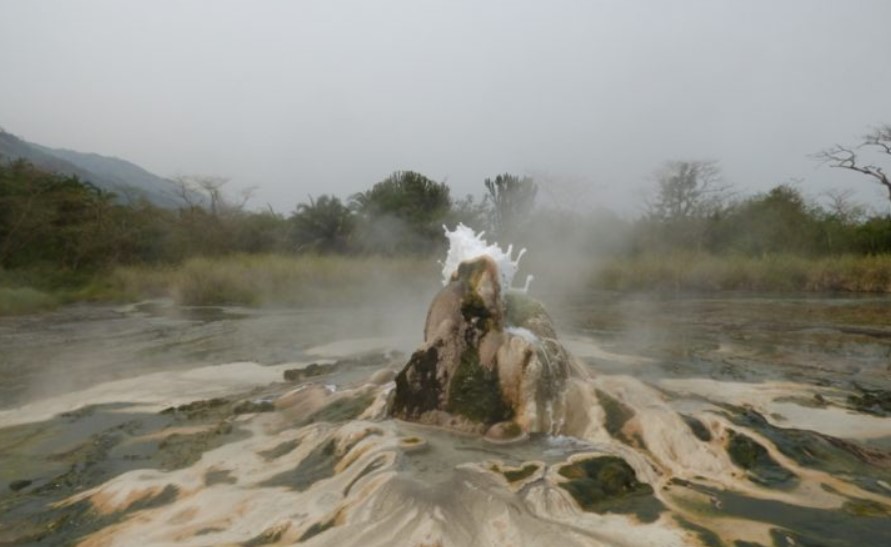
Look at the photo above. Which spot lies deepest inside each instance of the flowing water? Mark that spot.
(731, 420)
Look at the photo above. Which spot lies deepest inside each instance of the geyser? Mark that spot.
(491, 361)
(315, 459)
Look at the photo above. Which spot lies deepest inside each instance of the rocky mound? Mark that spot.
(490, 363)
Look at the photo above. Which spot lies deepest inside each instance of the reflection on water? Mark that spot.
(737, 421)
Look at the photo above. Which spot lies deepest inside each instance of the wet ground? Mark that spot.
(798, 387)
(78, 346)
(834, 340)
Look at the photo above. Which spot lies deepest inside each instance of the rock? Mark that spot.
(485, 360)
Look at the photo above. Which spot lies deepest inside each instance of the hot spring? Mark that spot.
(602, 419)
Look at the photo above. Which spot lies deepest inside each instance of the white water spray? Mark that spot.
(465, 244)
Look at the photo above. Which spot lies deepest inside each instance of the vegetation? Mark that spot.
(693, 271)
(402, 214)
(270, 279)
(876, 143)
(63, 239)
(512, 200)
(607, 484)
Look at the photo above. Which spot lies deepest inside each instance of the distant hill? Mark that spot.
(127, 180)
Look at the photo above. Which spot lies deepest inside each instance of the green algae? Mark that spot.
(522, 309)
(798, 525)
(475, 392)
(746, 453)
(616, 416)
(697, 427)
(866, 508)
(376, 464)
(279, 450)
(178, 451)
(219, 476)
(317, 465)
(607, 484)
(516, 475)
(196, 409)
(342, 409)
(706, 536)
(310, 371)
(871, 401)
(863, 465)
(316, 529)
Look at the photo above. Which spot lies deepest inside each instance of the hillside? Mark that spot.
(129, 181)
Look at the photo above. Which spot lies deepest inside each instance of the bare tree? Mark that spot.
(205, 191)
(845, 157)
(842, 207)
(687, 189)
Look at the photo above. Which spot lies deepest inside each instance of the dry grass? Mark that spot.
(262, 280)
(693, 271)
(275, 280)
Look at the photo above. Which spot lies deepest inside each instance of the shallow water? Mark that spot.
(743, 420)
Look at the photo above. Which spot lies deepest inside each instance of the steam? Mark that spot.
(465, 244)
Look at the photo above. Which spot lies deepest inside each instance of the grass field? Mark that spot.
(263, 280)
(276, 280)
(773, 273)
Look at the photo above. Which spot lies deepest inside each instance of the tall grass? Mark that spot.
(23, 300)
(277, 280)
(262, 280)
(699, 271)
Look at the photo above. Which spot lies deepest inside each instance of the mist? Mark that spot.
(316, 97)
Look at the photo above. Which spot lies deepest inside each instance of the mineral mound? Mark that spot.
(490, 362)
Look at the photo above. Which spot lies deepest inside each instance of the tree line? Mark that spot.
(65, 225)
(62, 224)
(693, 210)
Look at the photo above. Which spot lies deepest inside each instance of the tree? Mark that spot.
(842, 207)
(324, 225)
(402, 213)
(687, 189)
(878, 140)
(209, 219)
(512, 200)
(55, 220)
(781, 220)
(206, 191)
(690, 197)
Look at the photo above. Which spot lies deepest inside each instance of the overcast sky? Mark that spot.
(308, 97)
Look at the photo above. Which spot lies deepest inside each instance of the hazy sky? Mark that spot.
(309, 97)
